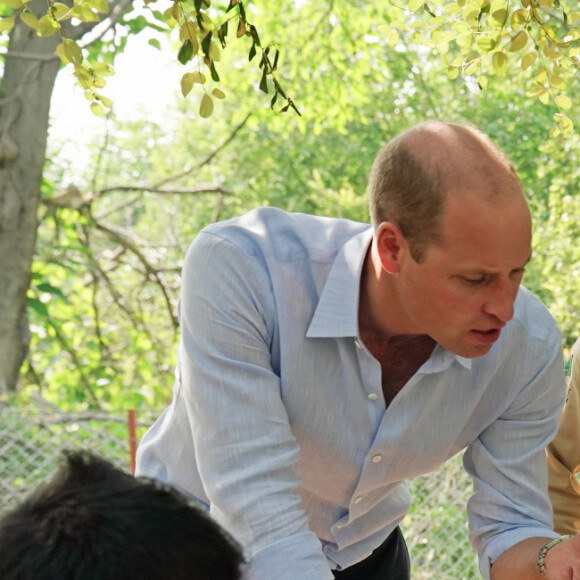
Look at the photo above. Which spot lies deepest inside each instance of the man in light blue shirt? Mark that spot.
(323, 362)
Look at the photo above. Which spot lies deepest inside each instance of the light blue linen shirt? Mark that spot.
(278, 421)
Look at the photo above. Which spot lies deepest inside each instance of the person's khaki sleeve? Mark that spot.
(564, 457)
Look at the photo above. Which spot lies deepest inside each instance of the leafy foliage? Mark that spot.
(481, 37)
(201, 34)
(474, 38)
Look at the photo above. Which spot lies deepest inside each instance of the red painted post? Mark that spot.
(132, 426)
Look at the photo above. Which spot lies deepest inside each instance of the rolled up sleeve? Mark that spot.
(246, 452)
(507, 461)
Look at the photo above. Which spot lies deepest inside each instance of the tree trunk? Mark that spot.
(31, 66)
(29, 76)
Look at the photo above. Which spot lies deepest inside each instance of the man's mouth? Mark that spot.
(486, 336)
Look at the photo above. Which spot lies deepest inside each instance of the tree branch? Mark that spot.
(210, 157)
(122, 239)
(116, 11)
(203, 188)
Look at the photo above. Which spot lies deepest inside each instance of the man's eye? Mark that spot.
(474, 281)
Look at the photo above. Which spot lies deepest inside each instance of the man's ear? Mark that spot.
(389, 242)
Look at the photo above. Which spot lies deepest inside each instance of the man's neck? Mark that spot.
(378, 310)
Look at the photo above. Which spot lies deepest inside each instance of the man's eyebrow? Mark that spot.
(523, 266)
(485, 272)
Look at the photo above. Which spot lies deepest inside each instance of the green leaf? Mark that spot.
(499, 62)
(205, 22)
(105, 101)
(154, 43)
(254, 35)
(218, 93)
(486, 43)
(72, 51)
(102, 6)
(264, 81)
(214, 73)
(47, 26)
(222, 33)
(50, 289)
(98, 109)
(414, 5)
(38, 307)
(83, 77)
(60, 11)
(563, 102)
(198, 77)
(206, 106)
(84, 13)
(519, 18)
(188, 30)
(15, 4)
(206, 44)
(98, 82)
(29, 19)
(103, 69)
(168, 18)
(500, 16)
(519, 41)
(214, 52)
(529, 60)
(471, 11)
(6, 23)
(186, 83)
(558, 82)
(185, 53)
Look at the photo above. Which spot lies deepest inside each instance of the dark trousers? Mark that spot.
(390, 561)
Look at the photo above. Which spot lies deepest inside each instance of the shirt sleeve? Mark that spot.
(508, 463)
(564, 457)
(246, 452)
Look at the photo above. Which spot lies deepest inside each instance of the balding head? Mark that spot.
(415, 172)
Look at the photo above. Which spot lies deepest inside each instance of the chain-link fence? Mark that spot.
(31, 441)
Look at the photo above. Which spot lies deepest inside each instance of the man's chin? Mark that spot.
(470, 350)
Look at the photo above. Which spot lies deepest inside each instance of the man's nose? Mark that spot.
(500, 300)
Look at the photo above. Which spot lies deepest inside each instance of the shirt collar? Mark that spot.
(441, 359)
(337, 312)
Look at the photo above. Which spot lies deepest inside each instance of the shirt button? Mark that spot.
(377, 459)
(339, 526)
(372, 396)
(357, 499)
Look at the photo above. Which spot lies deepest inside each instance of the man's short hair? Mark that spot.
(409, 189)
(93, 521)
(401, 191)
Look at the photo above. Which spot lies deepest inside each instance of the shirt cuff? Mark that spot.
(507, 541)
